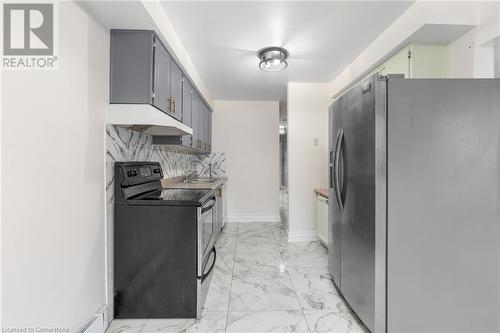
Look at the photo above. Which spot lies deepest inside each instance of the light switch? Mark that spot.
(315, 141)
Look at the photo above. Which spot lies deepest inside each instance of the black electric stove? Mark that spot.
(164, 251)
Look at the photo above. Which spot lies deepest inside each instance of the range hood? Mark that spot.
(147, 119)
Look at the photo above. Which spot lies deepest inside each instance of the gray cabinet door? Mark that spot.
(201, 125)
(210, 115)
(161, 76)
(202, 128)
(195, 119)
(131, 66)
(187, 102)
(206, 125)
(176, 90)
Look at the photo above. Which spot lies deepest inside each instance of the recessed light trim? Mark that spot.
(272, 59)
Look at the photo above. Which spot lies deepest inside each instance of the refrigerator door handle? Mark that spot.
(330, 175)
(342, 191)
(340, 135)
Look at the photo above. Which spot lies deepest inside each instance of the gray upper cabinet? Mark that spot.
(175, 91)
(161, 77)
(210, 131)
(187, 117)
(206, 129)
(197, 120)
(143, 72)
(131, 65)
(187, 102)
(201, 123)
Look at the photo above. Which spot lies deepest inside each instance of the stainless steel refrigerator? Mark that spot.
(414, 215)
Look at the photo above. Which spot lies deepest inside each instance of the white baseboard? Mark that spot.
(239, 218)
(302, 236)
(98, 323)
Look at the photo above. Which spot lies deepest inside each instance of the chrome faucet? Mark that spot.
(193, 170)
(188, 175)
(210, 170)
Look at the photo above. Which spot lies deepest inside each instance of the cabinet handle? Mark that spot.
(173, 111)
(169, 107)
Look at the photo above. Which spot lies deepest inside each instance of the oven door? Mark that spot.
(204, 281)
(206, 232)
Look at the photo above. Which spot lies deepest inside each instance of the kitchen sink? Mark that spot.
(201, 180)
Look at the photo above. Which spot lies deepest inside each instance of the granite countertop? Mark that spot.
(321, 191)
(178, 183)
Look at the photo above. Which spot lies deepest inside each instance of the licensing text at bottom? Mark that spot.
(35, 329)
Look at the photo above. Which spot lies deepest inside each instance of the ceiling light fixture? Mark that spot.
(272, 59)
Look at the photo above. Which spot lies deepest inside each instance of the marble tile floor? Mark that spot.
(262, 283)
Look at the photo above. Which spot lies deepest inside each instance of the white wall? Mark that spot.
(53, 270)
(469, 59)
(461, 57)
(307, 164)
(248, 133)
(472, 54)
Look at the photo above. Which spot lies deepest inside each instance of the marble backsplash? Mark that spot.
(125, 145)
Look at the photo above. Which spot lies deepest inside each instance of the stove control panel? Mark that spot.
(134, 173)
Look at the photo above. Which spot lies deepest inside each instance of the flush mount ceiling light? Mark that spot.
(273, 59)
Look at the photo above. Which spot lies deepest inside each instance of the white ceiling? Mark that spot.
(222, 39)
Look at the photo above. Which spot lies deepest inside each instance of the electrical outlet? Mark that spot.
(315, 141)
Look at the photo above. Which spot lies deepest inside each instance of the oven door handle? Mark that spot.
(206, 208)
(205, 275)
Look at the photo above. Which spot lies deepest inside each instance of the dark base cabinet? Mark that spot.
(155, 262)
